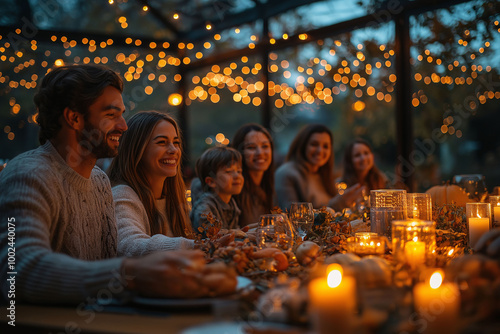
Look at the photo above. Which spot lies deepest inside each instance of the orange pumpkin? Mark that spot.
(448, 194)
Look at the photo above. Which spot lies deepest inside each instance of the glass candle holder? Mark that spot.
(478, 219)
(419, 206)
(366, 243)
(495, 211)
(386, 205)
(414, 242)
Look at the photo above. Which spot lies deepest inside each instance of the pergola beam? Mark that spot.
(264, 11)
(159, 16)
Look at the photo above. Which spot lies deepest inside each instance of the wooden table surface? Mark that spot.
(50, 319)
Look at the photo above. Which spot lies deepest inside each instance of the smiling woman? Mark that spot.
(307, 176)
(148, 189)
(256, 146)
(359, 166)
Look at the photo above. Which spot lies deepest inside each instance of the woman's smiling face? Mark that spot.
(257, 151)
(318, 149)
(163, 153)
(362, 158)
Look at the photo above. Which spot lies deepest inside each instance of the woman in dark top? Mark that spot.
(307, 175)
(257, 197)
(359, 166)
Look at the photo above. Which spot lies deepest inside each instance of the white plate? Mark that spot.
(217, 327)
(226, 327)
(198, 303)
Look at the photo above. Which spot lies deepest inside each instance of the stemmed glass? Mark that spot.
(274, 231)
(302, 217)
(474, 186)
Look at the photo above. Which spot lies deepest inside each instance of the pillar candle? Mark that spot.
(438, 305)
(415, 252)
(477, 227)
(333, 302)
(496, 214)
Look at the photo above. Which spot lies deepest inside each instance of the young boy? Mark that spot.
(220, 172)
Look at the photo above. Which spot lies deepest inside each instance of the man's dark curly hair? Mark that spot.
(73, 86)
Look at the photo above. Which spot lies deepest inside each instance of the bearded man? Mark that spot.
(58, 235)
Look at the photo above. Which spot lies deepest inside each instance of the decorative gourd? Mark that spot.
(370, 271)
(342, 259)
(448, 194)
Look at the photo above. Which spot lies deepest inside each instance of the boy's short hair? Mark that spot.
(214, 159)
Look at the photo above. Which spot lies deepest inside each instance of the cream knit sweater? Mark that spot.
(65, 230)
(134, 232)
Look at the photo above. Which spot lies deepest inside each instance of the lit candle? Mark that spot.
(416, 213)
(333, 301)
(496, 214)
(438, 305)
(366, 243)
(477, 227)
(415, 252)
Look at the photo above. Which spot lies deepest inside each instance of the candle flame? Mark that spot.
(415, 239)
(479, 216)
(334, 275)
(451, 251)
(436, 280)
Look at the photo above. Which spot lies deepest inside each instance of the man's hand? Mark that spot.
(177, 274)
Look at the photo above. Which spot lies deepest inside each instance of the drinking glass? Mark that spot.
(473, 184)
(386, 205)
(302, 217)
(274, 231)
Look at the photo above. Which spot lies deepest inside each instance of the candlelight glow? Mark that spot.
(334, 275)
(436, 280)
(451, 252)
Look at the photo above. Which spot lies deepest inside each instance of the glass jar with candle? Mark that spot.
(366, 243)
(419, 206)
(478, 220)
(495, 211)
(414, 242)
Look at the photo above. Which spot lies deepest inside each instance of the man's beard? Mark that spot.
(95, 142)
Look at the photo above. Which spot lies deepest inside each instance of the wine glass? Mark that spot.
(274, 231)
(302, 217)
(473, 184)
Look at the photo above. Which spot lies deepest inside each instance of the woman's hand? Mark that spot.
(352, 194)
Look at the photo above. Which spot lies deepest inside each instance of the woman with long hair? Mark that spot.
(256, 146)
(359, 166)
(148, 189)
(307, 175)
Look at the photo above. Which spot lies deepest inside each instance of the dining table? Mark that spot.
(116, 319)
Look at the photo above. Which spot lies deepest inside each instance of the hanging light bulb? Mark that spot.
(175, 99)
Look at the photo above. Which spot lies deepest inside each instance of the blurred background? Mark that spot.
(217, 64)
